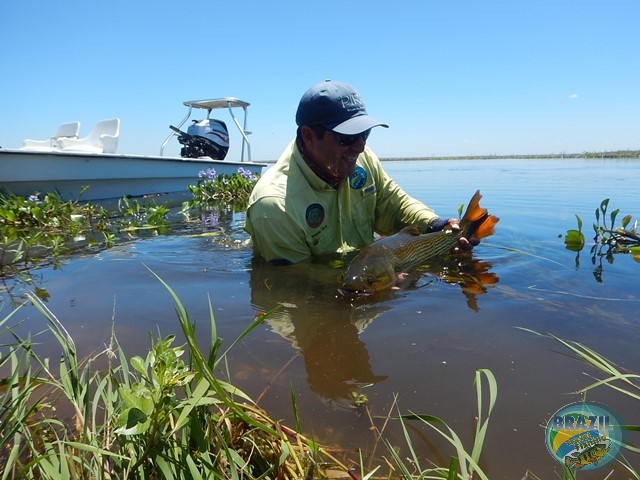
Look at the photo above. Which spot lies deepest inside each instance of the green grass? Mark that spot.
(167, 415)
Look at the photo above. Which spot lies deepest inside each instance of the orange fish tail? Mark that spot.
(474, 211)
(486, 228)
(484, 223)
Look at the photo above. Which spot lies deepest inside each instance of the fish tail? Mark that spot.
(486, 227)
(474, 211)
(480, 223)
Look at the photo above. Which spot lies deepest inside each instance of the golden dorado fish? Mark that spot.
(378, 265)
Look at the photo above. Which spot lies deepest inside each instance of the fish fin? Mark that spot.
(475, 213)
(412, 230)
(486, 228)
(474, 210)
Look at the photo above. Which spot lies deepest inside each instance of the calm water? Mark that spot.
(422, 343)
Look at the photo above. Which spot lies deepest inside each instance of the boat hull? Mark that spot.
(108, 176)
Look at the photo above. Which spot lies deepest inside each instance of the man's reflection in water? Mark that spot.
(325, 326)
(321, 324)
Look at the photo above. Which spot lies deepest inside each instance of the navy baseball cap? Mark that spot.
(336, 106)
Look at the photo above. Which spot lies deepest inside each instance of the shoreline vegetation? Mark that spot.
(608, 154)
(174, 414)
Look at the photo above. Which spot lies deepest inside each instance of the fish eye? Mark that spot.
(370, 280)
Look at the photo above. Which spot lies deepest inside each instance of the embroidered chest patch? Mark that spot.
(358, 178)
(314, 215)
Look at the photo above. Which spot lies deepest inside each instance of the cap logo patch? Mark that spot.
(352, 102)
(314, 215)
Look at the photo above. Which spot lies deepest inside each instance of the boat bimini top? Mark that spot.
(209, 137)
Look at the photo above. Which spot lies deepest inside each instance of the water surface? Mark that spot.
(420, 345)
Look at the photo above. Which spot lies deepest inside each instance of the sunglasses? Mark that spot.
(348, 140)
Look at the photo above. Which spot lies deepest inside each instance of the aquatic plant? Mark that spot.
(44, 228)
(609, 239)
(213, 189)
(136, 216)
(217, 196)
(465, 463)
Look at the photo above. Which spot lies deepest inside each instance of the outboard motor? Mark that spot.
(204, 138)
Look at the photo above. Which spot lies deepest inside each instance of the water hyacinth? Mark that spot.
(248, 175)
(215, 191)
(210, 218)
(45, 228)
(208, 174)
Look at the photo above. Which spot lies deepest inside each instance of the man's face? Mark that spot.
(336, 154)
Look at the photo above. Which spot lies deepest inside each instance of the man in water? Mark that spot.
(328, 192)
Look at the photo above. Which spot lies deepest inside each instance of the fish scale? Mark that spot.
(377, 266)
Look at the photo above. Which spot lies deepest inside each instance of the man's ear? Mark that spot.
(307, 134)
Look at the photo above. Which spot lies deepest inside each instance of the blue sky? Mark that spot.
(449, 77)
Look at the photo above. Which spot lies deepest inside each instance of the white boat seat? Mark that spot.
(103, 138)
(65, 130)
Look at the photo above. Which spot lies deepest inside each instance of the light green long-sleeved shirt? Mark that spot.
(293, 215)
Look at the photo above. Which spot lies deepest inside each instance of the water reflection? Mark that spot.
(474, 277)
(322, 325)
(325, 326)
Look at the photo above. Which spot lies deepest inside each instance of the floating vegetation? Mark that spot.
(609, 239)
(214, 189)
(45, 228)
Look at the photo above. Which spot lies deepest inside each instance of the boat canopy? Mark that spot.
(228, 102)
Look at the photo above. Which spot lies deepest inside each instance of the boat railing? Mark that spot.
(229, 103)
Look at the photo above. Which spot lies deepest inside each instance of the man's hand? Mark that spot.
(464, 244)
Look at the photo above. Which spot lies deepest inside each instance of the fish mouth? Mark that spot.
(348, 292)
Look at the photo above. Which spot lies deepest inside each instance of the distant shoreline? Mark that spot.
(611, 154)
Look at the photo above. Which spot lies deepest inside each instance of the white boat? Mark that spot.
(67, 164)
